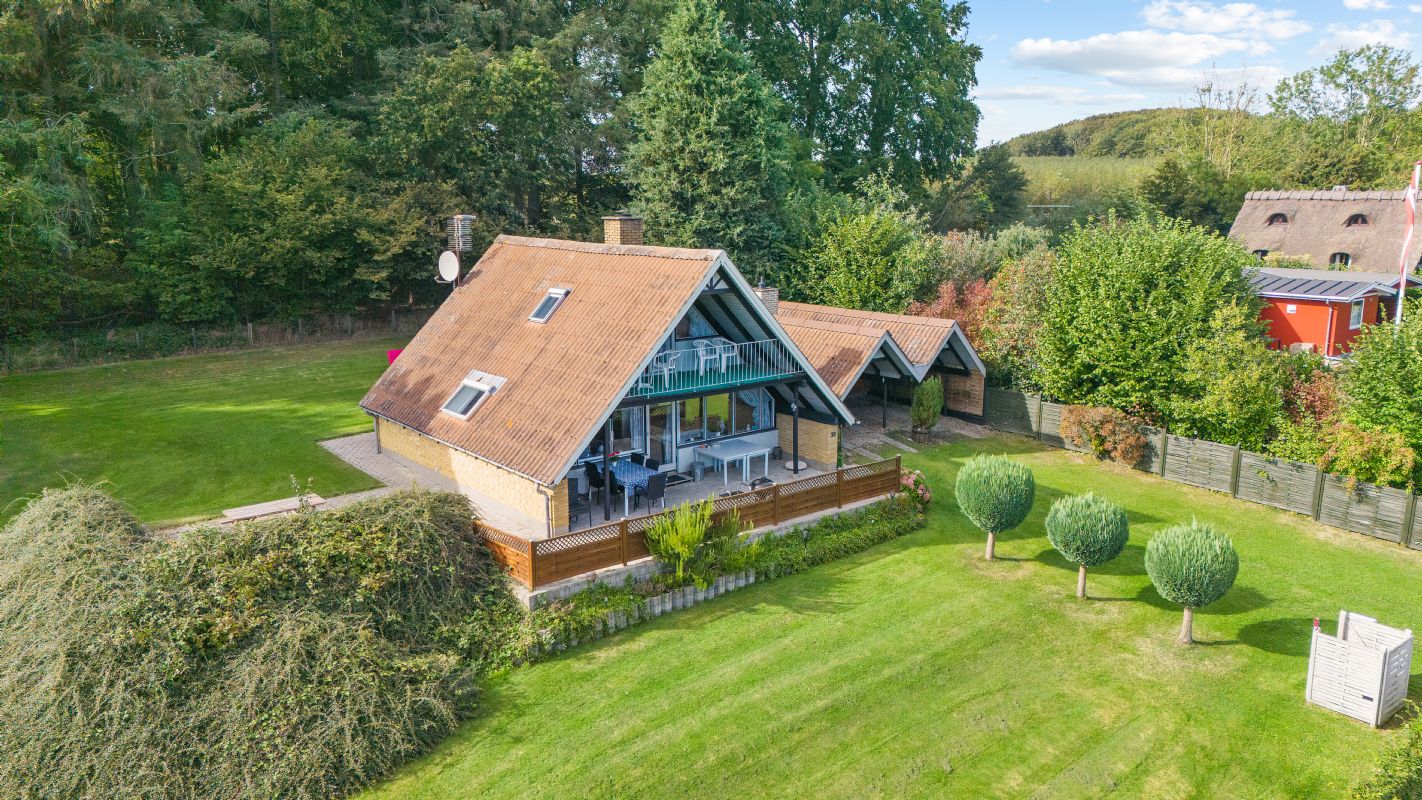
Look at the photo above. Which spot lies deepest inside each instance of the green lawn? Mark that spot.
(918, 670)
(183, 438)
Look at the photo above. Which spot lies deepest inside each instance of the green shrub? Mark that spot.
(836, 537)
(1088, 531)
(1193, 565)
(1398, 774)
(300, 656)
(927, 404)
(696, 548)
(996, 494)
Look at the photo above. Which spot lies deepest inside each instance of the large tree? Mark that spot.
(710, 164)
(1126, 302)
(873, 86)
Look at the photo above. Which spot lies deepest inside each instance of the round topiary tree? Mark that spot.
(995, 493)
(927, 405)
(1193, 565)
(1088, 531)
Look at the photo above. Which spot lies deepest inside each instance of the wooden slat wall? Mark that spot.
(1199, 463)
(1277, 482)
(1011, 411)
(1151, 461)
(1374, 510)
(1051, 425)
(544, 561)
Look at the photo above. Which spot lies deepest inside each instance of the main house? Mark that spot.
(1336, 228)
(554, 362)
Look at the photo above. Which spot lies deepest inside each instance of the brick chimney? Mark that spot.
(769, 295)
(622, 228)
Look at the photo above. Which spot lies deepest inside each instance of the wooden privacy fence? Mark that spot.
(535, 563)
(1378, 511)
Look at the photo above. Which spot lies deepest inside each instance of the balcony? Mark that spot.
(709, 365)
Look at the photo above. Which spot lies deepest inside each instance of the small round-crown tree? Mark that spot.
(996, 494)
(1088, 531)
(1193, 565)
(927, 405)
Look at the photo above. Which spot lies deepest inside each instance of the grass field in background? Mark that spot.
(183, 438)
(916, 669)
(1074, 179)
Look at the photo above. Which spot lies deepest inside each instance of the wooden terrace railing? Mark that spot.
(535, 563)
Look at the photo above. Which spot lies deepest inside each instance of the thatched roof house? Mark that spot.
(1335, 228)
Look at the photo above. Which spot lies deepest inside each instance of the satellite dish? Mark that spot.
(448, 267)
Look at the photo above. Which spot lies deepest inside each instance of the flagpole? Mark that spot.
(1410, 199)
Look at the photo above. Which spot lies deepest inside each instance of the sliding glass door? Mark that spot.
(661, 425)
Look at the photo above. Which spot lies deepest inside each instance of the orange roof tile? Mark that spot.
(922, 338)
(839, 352)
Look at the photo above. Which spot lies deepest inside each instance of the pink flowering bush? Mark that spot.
(913, 484)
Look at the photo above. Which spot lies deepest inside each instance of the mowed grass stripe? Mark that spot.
(918, 670)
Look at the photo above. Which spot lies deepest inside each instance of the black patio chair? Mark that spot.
(652, 464)
(594, 479)
(655, 490)
(637, 458)
(577, 507)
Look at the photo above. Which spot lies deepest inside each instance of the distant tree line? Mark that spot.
(196, 161)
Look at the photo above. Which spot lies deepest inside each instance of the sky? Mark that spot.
(1049, 61)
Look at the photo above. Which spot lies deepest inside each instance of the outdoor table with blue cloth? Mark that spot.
(632, 477)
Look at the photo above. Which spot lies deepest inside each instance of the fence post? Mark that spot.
(1319, 475)
(300, 333)
(839, 488)
(250, 337)
(1234, 473)
(775, 504)
(622, 539)
(193, 331)
(1164, 445)
(1037, 423)
(532, 565)
(1409, 516)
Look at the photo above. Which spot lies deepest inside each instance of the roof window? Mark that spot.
(1278, 218)
(548, 305)
(471, 394)
(1357, 219)
(1340, 260)
(1261, 254)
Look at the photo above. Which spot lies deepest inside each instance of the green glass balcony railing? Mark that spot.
(713, 364)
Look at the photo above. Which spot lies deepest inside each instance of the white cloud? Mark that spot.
(1073, 95)
(1366, 5)
(1134, 58)
(1343, 37)
(1231, 19)
(1414, 8)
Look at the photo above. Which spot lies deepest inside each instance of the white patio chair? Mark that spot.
(706, 353)
(730, 355)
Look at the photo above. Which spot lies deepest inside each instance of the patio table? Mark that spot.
(632, 477)
(723, 453)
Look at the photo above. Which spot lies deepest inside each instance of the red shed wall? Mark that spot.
(1309, 323)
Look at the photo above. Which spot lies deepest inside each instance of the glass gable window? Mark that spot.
(1355, 316)
(548, 305)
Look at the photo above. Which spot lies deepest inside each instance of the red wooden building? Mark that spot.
(1321, 310)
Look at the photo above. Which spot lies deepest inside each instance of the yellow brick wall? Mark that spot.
(559, 505)
(819, 442)
(475, 476)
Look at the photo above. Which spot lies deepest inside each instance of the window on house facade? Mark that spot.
(1357, 219)
(1278, 219)
(720, 415)
(1355, 315)
(1340, 260)
(548, 305)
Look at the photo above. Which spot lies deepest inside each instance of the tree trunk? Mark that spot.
(1081, 580)
(991, 545)
(1187, 627)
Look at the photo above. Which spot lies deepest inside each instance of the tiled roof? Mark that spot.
(838, 352)
(1323, 194)
(922, 338)
(563, 375)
